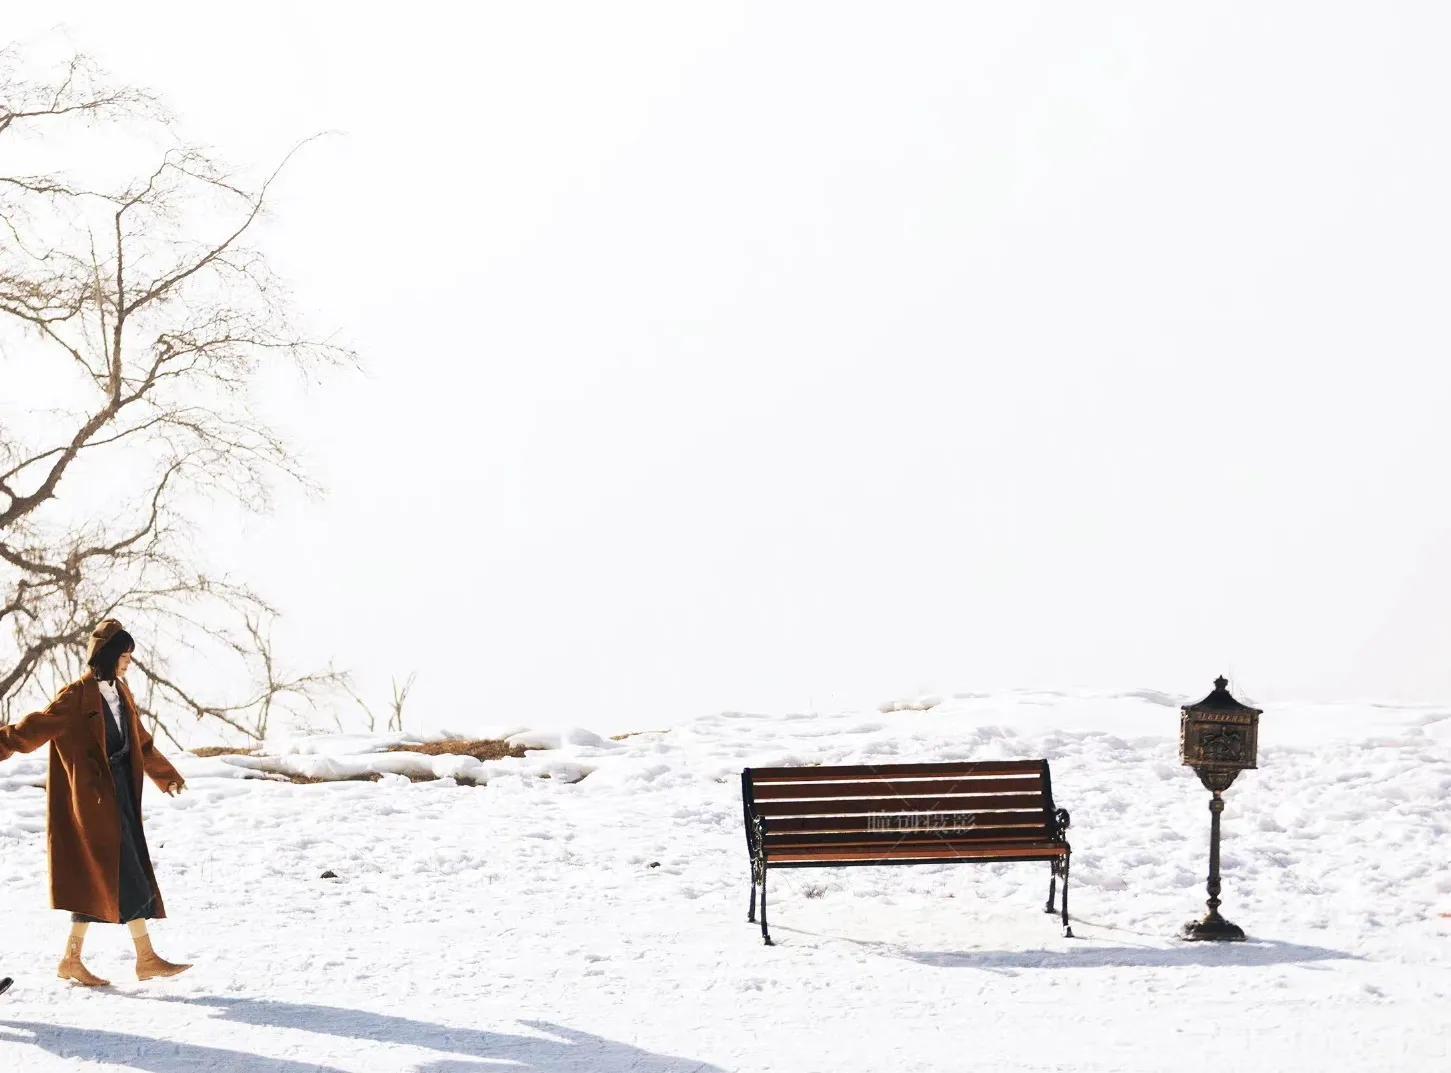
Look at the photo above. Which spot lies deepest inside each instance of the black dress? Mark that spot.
(138, 895)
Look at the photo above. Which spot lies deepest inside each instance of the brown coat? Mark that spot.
(83, 829)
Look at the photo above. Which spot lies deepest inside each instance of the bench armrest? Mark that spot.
(1062, 819)
(755, 824)
(756, 838)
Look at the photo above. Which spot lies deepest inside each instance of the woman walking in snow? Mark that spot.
(100, 868)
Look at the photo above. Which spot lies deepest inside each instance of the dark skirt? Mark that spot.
(138, 896)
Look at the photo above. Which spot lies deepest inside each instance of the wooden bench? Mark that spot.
(835, 817)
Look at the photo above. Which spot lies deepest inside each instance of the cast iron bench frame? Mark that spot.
(879, 814)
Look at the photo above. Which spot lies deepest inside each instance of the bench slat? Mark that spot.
(1043, 851)
(856, 806)
(892, 839)
(781, 791)
(759, 775)
(801, 824)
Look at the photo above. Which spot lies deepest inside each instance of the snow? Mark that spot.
(513, 922)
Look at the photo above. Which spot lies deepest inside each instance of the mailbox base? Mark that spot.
(1213, 928)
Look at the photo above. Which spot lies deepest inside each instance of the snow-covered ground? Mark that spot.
(524, 923)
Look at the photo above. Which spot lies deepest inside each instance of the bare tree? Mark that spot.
(134, 293)
(395, 705)
(400, 698)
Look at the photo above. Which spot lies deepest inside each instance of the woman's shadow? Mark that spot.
(557, 1048)
(143, 1052)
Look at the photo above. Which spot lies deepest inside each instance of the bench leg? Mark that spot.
(766, 935)
(1067, 931)
(751, 916)
(1052, 887)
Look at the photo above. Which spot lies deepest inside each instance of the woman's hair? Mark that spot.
(104, 661)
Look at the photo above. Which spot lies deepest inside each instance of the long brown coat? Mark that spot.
(83, 829)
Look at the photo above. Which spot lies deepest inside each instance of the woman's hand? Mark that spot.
(175, 786)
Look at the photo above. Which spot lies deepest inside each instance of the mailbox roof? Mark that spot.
(1221, 701)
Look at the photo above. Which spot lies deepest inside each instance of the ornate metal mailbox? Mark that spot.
(1218, 738)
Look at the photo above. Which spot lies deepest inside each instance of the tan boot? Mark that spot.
(150, 964)
(70, 967)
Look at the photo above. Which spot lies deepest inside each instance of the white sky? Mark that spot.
(794, 355)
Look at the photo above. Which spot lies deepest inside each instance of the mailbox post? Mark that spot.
(1218, 738)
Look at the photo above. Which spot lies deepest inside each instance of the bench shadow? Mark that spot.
(143, 1052)
(1087, 953)
(1249, 954)
(561, 1049)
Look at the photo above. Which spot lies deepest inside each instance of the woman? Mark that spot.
(100, 868)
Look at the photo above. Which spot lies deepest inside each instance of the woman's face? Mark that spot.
(122, 663)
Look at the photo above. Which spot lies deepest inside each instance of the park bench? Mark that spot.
(876, 814)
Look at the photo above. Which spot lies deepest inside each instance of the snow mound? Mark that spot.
(911, 704)
(562, 738)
